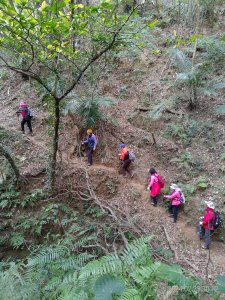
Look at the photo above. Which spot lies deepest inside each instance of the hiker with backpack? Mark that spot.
(207, 224)
(27, 115)
(155, 184)
(91, 142)
(126, 157)
(177, 199)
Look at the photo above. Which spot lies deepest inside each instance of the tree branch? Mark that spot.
(98, 55)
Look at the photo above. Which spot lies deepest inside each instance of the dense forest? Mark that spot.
(146, 75)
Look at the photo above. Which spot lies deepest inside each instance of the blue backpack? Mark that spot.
(182, 198)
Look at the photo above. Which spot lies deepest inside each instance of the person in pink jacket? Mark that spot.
(175, 201)
(154, 186)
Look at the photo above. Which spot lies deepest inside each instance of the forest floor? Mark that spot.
(127, 195)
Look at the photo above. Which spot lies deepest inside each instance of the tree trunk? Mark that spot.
(55, 144)
(153, 137)
(193, 99)
(5, 153)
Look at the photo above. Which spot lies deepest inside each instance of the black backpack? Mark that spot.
(29, 114)
(217, 222)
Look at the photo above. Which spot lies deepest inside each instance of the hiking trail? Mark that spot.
(132, 197)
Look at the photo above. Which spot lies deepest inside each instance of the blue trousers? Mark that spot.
(90, 153)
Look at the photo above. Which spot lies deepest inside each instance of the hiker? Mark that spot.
(27, 115)
(175, 197)
(91, 142)
(125, 161)
(207, 224)
(155, 183)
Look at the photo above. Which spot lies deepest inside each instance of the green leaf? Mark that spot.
(106, 286)
(220, 109)
(202, 185)
(43, 5)
(153, 24)
(175, 275)
(222, 156)
(220, 283)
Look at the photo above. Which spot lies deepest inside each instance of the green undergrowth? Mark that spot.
(59, 272)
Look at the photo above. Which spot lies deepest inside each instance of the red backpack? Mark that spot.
(161, 181)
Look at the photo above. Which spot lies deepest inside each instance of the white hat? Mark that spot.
(174, 186)
(210, 204)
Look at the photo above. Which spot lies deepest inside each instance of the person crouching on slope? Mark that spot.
(124, 160)
(154, 186)
(91, 142)
(175, 201)
(26, 118)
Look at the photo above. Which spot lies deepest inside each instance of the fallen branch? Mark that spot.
(191, 265)
(170, 111)
(172, 248)
(104, 207)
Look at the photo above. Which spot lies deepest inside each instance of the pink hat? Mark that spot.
(22, 104)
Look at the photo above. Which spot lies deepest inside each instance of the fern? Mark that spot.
(220, 283)
(75, 262)
(106, 264)
(157, 110)
(48, 255)
(142, 273)
(182, 62)
(212, 88)
(220, 109)
(88, 108)
(106, 286)
(131, 294)
(135, 251)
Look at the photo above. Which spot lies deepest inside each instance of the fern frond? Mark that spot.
(48, 255)
(174, 275)
(142, 273)
(74, 262)
(53, 284)
(183, 63)
(212, 88)
(131, 294)
(105, 265)
(220, 109)
(157, 110)
(84, 241)
(136, 250)
(106, 101)
(106, 286)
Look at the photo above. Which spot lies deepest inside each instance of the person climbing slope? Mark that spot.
(155, 184)
(125, 161)
(175, 197)
(207, 224)
(91, 142)
(27, 115)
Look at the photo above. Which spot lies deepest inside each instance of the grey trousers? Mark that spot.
(205, 233)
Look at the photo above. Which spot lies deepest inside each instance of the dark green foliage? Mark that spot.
(220, 279)
(89, 109)
(107, 286)
(194, 75)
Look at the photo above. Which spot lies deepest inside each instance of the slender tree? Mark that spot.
(4, 152)
(55, 43)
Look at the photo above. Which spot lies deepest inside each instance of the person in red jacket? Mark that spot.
(175, 201)
(154, 186)
(207, 223)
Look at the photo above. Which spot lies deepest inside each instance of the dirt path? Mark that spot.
(180, 238)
